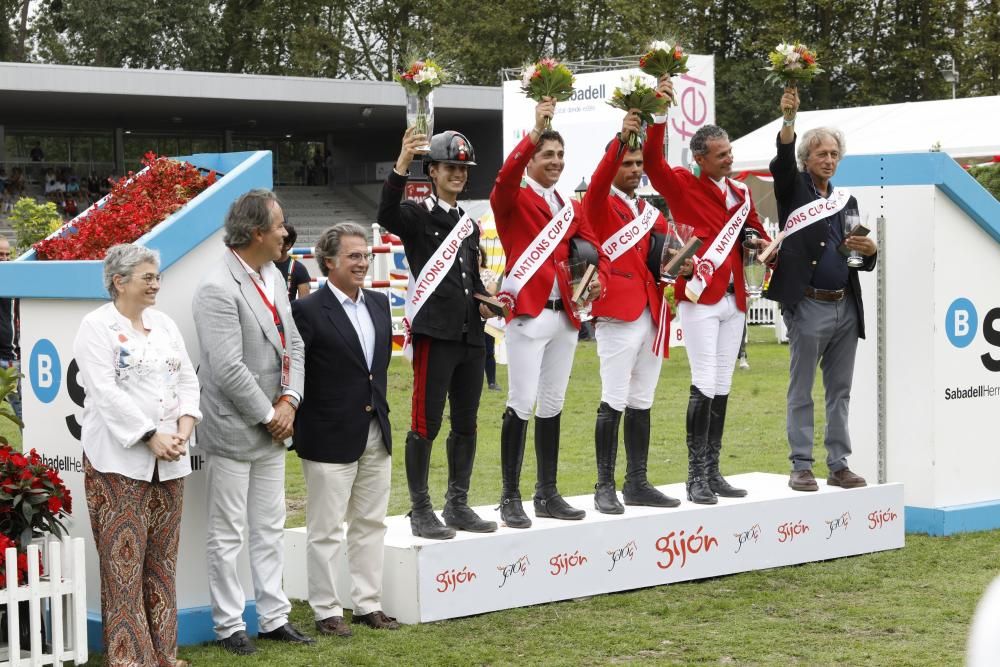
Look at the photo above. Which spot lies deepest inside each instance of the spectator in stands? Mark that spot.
(70, 208)
(93, 187)
(10, 334)
(73, 186)
(37, 154)
(15, 184)
(139, 414)
(295, 273)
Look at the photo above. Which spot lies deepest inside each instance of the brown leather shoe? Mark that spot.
(803, 480)
(846, 479)
(377, 620)
(334, 625)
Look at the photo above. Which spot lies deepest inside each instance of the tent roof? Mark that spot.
(966, 128)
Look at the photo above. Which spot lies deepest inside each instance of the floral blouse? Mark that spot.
(134, 382)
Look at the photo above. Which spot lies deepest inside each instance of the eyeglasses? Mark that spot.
(360, 256)
(150, 278)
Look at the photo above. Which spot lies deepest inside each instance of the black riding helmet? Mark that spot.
(451, 148)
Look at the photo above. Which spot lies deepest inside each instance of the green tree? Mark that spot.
(151, 34)
(988, 177)
(32, 222)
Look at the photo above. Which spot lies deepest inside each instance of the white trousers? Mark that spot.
(539, 360)
(629, 369)
(245, 494)
(712, 336)
(357, 493)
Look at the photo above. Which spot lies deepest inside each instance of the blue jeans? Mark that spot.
(14, 398)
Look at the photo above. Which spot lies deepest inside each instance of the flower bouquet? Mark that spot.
(33, 498)
(792, 64)
(635, 93)
(664, 58)
(136, 205)
(419, 80)
(547, 78)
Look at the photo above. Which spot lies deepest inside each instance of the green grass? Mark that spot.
(905, 607)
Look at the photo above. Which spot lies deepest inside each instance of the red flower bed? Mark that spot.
(136, 204)
(33, 498)
(22, 562)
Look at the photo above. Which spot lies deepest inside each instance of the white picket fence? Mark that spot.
(57, 599)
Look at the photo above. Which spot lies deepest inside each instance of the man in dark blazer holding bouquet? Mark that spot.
(342, 432)
(819, 292)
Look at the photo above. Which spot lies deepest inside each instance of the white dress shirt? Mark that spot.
(552, 199)
(134, 382)
(633, 202)
(361, 320)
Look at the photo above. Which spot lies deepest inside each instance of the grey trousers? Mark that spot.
(823, 333)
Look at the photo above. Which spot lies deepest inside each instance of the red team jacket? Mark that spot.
(520, 214)
(630, 286)
(698, 202)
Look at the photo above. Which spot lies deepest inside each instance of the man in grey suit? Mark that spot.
(251, 375)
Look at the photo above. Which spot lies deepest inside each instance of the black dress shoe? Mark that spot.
(286, 633)
(238, 643)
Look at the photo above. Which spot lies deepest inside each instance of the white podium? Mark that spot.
(427, 580)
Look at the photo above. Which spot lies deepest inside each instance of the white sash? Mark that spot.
(719, 249)
(630, 233)
(418, 290)
(807, 214)
(537, 252)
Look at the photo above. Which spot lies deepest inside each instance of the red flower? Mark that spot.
(18, 460)
(55, 505)
(808, 58)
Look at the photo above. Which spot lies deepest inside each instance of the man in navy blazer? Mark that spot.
(342, 433)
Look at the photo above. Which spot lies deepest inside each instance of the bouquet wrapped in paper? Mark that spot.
(792, 64)
(664, 58)
(547, 78)
(634, 92)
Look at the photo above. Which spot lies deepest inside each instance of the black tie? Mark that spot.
(454, 214)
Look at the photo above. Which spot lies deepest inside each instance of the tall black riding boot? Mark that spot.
(457, 513)
(716, 424)
(513, 432)
(423, 521)
(606, 448)
(637, 489)
(699, 407)
(548, 502)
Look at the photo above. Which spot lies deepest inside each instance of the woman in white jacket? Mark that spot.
(139, 413)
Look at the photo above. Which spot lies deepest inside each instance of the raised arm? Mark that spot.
(389, 213)
(507, 186)
(783, 167)
(661, 176)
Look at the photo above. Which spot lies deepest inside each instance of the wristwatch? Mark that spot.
(788, 122)
(148, 435)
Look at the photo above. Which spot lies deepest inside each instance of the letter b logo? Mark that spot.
(961, 323)
(45, 371)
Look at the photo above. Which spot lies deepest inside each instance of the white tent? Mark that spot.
(966, 129)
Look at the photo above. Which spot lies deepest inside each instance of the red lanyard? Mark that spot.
(270, 306)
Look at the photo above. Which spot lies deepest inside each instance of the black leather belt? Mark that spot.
(555, 304)
(826, 294)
